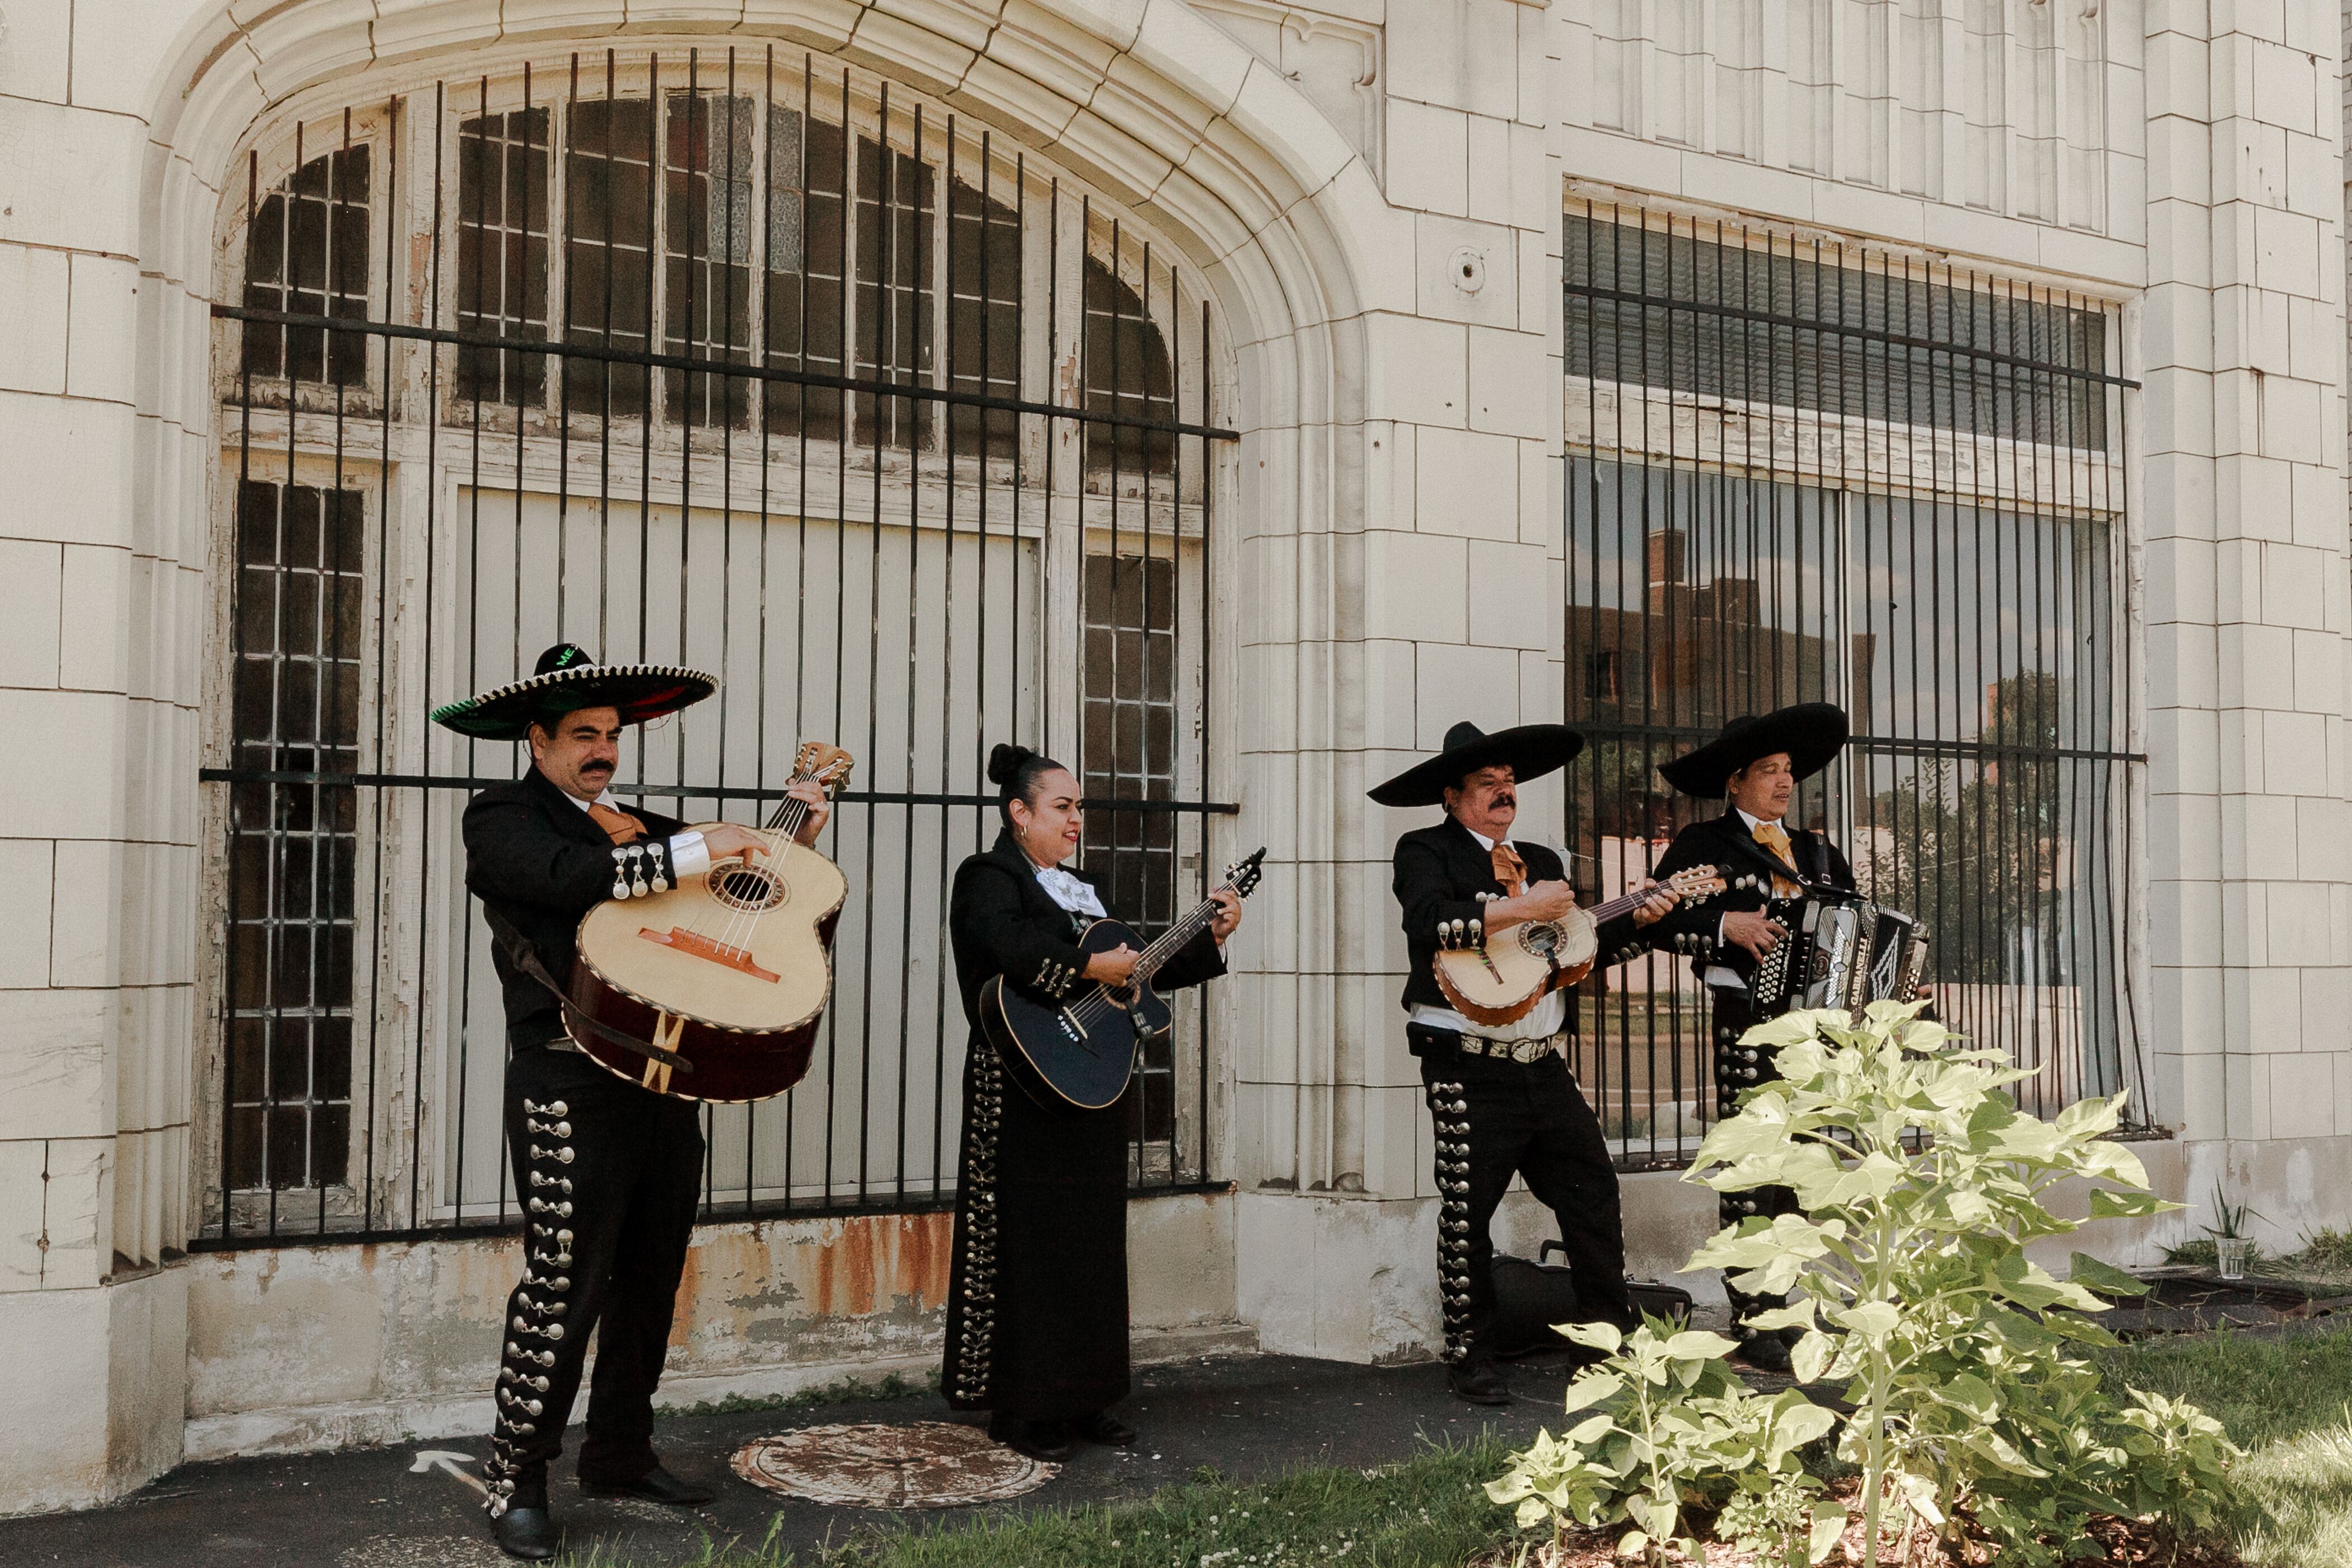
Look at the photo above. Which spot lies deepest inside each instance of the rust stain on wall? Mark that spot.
(872, 1260)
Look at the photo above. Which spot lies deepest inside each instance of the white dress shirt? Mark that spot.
(1543, 1021)
(688, 856)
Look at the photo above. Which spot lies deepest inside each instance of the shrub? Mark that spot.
(1921, 1183)
(1673, 1431)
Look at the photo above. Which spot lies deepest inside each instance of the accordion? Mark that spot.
(1839, 952)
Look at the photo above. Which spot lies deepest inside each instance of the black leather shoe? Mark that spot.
(528, 1532)
(656, 1484)
(1481, 1384)
(1038, 1439)
(1767, 1353)
(1103, 1427)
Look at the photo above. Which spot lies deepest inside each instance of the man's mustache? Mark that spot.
(596, 768)
(1504, 802)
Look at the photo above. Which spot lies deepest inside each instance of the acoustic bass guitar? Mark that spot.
(1079, 1054)
(709, 987)
(1498, 976)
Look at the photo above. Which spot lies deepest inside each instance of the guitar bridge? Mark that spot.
(1071, 1027)
(701, 946)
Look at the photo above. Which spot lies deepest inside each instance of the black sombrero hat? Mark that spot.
(1810, 733)
(1530, 749)
(566, 680)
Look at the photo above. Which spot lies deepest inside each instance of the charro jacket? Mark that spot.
(1439, 873)
(1727, 842)
(541, 863)
(1002, 921)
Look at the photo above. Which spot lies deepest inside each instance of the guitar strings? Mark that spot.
(1090, 1009)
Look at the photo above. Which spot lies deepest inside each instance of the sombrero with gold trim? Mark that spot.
(566, 680)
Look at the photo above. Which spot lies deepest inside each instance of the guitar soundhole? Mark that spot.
(1539, 939)
(749, 888)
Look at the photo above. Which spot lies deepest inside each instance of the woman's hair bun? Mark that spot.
(1006, 762)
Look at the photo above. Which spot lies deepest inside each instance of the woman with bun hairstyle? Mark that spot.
(1037, 1290)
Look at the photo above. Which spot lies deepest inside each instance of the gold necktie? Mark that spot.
(618, 826)
(1510, 870)
(1775, 838)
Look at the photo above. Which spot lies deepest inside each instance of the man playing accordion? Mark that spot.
(1758, 763)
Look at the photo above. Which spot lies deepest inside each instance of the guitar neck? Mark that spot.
(1171, 941)
(788, 817)
(1615, 907)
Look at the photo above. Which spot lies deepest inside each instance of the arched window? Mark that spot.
(753, 362)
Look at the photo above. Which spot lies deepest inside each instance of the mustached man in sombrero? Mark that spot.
(1758, 763)
(1503, 1101)
(625, 1167)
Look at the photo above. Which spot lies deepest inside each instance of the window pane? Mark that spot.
(608, 232)
(1129, 738)
(805, 301)
(710, 249)
(983, 317)
(307, 254)
(895, 200)
(1970, 623)
(292, 861)
(503, 166)
(1127, 374)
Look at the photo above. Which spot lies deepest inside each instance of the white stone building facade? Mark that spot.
(1359, 218)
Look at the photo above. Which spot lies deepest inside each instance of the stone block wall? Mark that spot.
(1372, 190)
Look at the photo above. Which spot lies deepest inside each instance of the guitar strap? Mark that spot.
(517, 951)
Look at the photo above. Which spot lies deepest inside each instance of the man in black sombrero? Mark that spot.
(1501, 1096)
(1758, 763)
(608, 1173)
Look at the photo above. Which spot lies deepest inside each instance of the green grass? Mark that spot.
(1427, 1513)
(2288, 1402)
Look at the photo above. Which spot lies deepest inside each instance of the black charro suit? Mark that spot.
(1728, 843)
(1497, 1118)
(1037, 1308)
(627, 1162)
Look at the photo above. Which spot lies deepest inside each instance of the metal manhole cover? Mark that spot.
(930, 1464)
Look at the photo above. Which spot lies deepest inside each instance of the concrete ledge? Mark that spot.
(299, 1349)
(304, 1429)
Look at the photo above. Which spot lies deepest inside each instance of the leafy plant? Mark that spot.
(1921, 1183)
(2233, 1218)
(1673, 1431)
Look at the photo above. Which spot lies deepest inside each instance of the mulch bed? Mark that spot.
(2125, 1540)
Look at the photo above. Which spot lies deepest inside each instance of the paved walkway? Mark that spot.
(406, 1508)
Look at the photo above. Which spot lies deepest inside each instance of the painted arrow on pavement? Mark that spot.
(431, 1460)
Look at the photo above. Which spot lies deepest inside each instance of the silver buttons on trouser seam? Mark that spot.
(975, 1344)
(539, 1303)
(1449, 1115)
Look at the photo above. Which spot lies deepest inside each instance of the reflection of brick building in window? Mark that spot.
(1696, 654)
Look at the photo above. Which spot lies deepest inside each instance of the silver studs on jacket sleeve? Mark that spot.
(640, 869)
(971, 1353)
(1450, 1114)
(538, 1306)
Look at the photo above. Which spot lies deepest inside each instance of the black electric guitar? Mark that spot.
(1081, 1053)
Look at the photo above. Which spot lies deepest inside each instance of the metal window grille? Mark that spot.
(532, 441)
(1804, 471)
(295, 699)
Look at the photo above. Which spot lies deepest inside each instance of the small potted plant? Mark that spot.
(2232, 1247)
